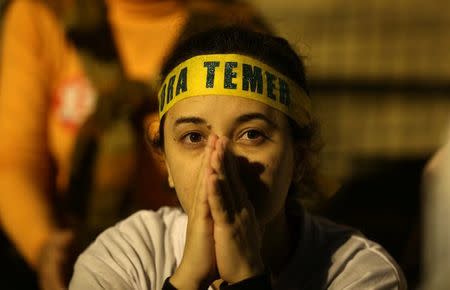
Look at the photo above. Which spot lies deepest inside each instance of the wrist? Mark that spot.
(182, 284)
(184, 281)
(259, 282)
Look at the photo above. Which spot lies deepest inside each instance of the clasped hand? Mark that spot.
(223, 238)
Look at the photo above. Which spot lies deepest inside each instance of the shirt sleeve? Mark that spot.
(365, 265)
(136, 254)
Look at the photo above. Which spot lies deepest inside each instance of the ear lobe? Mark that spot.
(169, 176)
(152, 128)
(170, 180)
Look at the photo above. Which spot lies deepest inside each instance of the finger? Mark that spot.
(216, 201)
(200, 206)
(218, 166)
(217, 160)
(231, 171)
(201, 172)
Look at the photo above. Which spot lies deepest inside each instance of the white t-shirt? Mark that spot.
(436, 230)
(140, 252)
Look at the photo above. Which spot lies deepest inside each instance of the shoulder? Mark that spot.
(144, 248)
(33, 26)
(149, 221)
(356, 262)
(360, 263)
(145, 227)
(338, 257)
(28, 11)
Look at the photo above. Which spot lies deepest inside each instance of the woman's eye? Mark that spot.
(253, 136)
(193, 138)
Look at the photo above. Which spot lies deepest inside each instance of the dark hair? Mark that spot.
(272, 50)
(277, 53)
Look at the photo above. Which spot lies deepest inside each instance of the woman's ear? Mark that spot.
(169, 175)
(152, 124)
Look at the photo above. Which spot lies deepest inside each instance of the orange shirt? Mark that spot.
(45, 96)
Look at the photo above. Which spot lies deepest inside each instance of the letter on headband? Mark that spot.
(234, 75)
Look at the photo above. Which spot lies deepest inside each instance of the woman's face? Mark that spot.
(259, 137)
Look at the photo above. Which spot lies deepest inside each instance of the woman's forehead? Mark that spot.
(220, 107)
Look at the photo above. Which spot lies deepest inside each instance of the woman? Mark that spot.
(239, 143)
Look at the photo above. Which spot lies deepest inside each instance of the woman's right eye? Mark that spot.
(193, 138)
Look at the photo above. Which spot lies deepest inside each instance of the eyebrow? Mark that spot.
(194, 120)
(241, 119)
(252, 116)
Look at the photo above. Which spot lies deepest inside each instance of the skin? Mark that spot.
(53, 261)
(231, 161)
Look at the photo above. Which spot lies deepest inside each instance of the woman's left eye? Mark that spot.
(253, 136)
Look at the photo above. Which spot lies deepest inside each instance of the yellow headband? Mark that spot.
(234, 75)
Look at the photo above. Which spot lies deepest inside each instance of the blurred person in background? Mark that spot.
(436, 232)
(76, 75)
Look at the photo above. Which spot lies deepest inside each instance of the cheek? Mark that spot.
(278, 167)
(278, 177)
(185, 174)
(268, 189)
